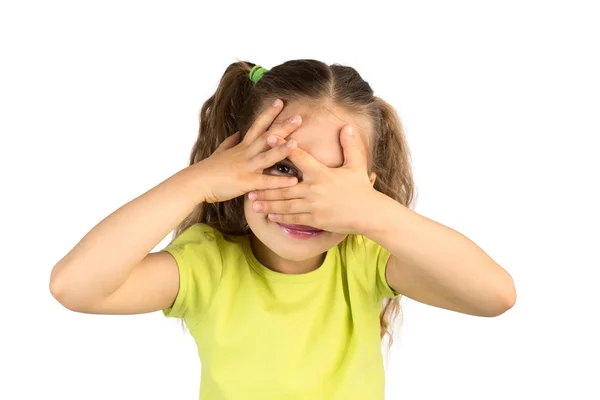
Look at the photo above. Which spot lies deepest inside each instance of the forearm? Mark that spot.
(436, 264)
(104, 258)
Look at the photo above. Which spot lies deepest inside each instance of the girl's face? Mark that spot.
(318, 135)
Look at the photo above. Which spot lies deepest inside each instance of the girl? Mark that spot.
(294, 240)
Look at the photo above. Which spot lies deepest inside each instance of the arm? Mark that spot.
(436, 265)
(110, 271)
(429, 262)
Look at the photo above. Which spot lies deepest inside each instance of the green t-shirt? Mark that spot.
(265, 335)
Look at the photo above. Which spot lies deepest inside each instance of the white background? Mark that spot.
(500, 102)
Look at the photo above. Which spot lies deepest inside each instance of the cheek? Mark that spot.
(247, 207)
(250, 215)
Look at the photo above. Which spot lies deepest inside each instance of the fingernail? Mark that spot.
(276, 103)
(290, 144)
(271, 140)
(256, 207)
(349, 131)
(295, 119)
(272, 216)
(252, 195)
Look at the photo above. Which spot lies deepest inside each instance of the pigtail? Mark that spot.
(391, 150)
(219, 118)
(238, 100)
(394, 178)
(219, 115)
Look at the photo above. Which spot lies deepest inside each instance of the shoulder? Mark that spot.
(203, 240)
(360, 249)
(367, 260)
(198, 241)
(358, 254)
(198, 251)
(196, 233)
(201, 234)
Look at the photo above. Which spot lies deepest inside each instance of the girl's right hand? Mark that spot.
(236, 168)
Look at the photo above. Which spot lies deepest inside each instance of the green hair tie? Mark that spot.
(257, 72)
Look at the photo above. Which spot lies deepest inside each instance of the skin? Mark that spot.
(430, 262)
(318, 135)
(110, 270)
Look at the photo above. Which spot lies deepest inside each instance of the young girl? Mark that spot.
(294, 240)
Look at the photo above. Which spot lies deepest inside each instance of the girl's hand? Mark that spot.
(332, 199)
(235, 168)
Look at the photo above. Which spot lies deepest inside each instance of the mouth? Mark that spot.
(300, 231)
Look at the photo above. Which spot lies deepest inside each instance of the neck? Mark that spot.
(273, 261)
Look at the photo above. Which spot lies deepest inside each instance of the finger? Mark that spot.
(301, 159)
(262, 182)
(267, 158)
(263, 121)
(282, 130)
(353, 148)
(292, 192)
(229, 142)
(275, 141)
(294, 206)
(305, 162)
(293, 219)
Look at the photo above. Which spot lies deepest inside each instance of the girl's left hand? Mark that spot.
(332, 199)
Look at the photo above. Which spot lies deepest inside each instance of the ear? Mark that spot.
(372, 178)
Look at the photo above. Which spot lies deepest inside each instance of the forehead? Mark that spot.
(319, 133)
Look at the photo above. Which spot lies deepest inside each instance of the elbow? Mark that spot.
(56, 285)
(59, 290)
(504, 304)
(505, 299)
(62, 292)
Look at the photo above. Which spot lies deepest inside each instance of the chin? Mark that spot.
(292, 243)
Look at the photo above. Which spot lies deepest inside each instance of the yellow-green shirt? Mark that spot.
(265, 335)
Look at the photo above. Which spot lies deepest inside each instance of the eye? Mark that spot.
(282, 169)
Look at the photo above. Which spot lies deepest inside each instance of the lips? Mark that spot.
(301, 232)
(301, 228)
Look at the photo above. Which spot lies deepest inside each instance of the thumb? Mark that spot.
(229, 142)
(353, 156)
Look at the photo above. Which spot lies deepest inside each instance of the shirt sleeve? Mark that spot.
(197, 253)
(374, 258)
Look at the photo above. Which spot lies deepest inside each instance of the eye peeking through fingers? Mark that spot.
(283, 168)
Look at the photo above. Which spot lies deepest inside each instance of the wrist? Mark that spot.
(380, 216)
(192, 183)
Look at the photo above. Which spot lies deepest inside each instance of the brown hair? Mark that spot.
(236, 103)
